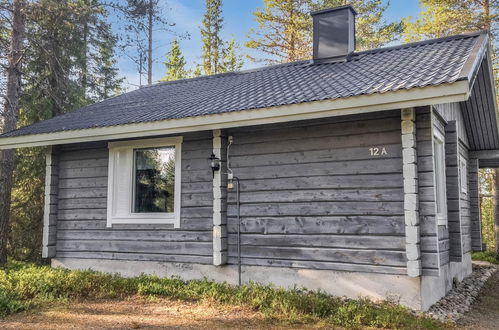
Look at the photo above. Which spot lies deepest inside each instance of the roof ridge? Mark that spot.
(422, 42)
(274, 66)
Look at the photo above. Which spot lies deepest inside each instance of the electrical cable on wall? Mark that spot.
(230, 185)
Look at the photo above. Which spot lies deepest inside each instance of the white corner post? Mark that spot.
(50, 210)
(411, 202)
(220, 201)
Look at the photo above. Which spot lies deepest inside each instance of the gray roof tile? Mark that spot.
(386, 69)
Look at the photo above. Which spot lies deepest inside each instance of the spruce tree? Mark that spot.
(175, 63)
(68, 63)
(213, 46)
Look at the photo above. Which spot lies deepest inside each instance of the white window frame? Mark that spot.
(120, 183)
(439, 159)
(463, 174)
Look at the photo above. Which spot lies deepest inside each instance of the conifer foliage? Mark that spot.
(67, 62)
(175, 63)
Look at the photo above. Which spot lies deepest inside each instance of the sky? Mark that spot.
(238, 20)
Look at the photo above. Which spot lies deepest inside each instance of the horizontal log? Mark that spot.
(371, 257)
(320, 195)
(320, 240)
(375, 166)
(135, 256)
(393, 225)
(314, 156)
(136, 235)
(316, 130)
(317, 209)
(157, 247)
(307, 144)
(319, 265)
(325, 182)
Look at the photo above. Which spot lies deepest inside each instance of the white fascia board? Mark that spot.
(445, 93)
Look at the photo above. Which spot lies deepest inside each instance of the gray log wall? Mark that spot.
(460, 206)
(313, 196)
(476, 229)
(433, 249)
(49, 238)
(81, 225)
(453, 191)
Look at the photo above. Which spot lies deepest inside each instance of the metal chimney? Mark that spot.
(334, 34)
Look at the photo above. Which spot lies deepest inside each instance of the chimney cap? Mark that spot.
(328, 10)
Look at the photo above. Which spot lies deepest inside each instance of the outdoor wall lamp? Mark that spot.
(214, 163)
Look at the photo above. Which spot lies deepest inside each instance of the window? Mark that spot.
(463, 172)
(144, 181)
(439, 172)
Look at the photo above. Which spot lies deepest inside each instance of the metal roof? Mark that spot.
(408, 66)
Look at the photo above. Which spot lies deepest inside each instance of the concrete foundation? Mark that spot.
(400, 288)
(434, 288)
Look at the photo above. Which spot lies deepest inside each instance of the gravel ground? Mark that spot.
(485, 311)
(460, 300)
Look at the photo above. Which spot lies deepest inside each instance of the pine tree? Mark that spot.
(232, 61)
(282, 33)
(213, 46)
(10, 116)
(440, 18)
(175, 63)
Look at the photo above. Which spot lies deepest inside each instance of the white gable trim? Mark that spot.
(445, 93)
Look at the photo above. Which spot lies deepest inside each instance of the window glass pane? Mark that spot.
(154, 180)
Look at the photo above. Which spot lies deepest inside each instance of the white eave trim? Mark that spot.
(445, 93)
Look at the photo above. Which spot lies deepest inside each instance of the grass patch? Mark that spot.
(25, 285)
(488, 255)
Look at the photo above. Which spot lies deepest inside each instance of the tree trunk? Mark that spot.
(486, 15)
(149, 49)
(496, 207)
(11, 113)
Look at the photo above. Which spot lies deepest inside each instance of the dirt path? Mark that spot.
(139, 313)
(485, 312)
(144, 313)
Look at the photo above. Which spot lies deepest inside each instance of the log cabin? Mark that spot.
(354, 172)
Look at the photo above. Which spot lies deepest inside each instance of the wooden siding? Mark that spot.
(460, 205)
(430, 248)
(479, 112)
(81, 226)
(454, 242)
(476, 228)
(312, 196)
(465, 205)
(452, 112)
(50, 210)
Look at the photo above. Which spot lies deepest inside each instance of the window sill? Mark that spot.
(145, 219)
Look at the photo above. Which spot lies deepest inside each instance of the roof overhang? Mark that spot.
(430, 95)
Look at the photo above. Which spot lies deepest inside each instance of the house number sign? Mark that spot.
(378, 151)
